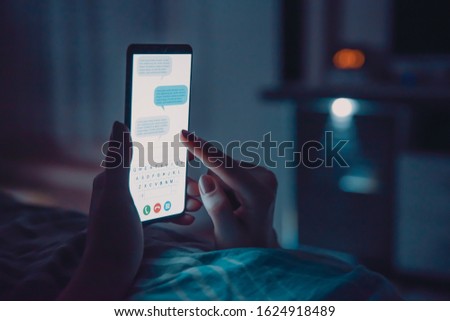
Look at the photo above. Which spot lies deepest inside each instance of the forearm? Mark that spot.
(97, 278)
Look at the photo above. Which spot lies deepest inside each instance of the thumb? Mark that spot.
(118, 171)
(216, 203)
(97, 189)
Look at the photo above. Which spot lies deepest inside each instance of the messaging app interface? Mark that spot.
(160, 110)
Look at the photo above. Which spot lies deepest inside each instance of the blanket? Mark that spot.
(40, 248)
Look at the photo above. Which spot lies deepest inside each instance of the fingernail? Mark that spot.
(207, 184)
(188, 135)
(117, 128)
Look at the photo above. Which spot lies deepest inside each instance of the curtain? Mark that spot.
(88, 41)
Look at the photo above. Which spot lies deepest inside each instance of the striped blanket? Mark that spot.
(40, 248)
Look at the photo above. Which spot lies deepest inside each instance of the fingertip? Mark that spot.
(193, 204)
(184, 134)
(192, 188)
(207, 184)
(118, 129)
(185, 219)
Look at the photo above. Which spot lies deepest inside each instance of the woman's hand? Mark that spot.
(240, 199)
(114, 245)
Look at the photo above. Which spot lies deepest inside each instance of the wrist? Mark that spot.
(100, 276)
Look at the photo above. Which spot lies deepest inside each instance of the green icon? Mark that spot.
(147, 209)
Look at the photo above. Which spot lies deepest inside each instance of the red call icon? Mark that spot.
(157, 208)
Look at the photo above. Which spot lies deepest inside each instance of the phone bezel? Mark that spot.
(155, 49)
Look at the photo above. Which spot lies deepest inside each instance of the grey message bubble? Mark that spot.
(152, 126)
(155, 66)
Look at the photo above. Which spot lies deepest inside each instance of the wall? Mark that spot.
(75, 51)
(237, 47)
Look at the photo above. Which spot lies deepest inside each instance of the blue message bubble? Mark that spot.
(170, 95)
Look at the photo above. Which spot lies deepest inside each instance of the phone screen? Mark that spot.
(159, 110)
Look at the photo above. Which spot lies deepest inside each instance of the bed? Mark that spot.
(40, 248)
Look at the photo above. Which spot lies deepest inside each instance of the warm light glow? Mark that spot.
(342, 107)
(349, 59)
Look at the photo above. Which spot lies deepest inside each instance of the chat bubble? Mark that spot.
(155, 66)
(152, 126)
(170, 95)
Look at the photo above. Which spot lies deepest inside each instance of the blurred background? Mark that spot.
(374, 72)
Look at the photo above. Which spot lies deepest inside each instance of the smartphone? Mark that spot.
(158, 85)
